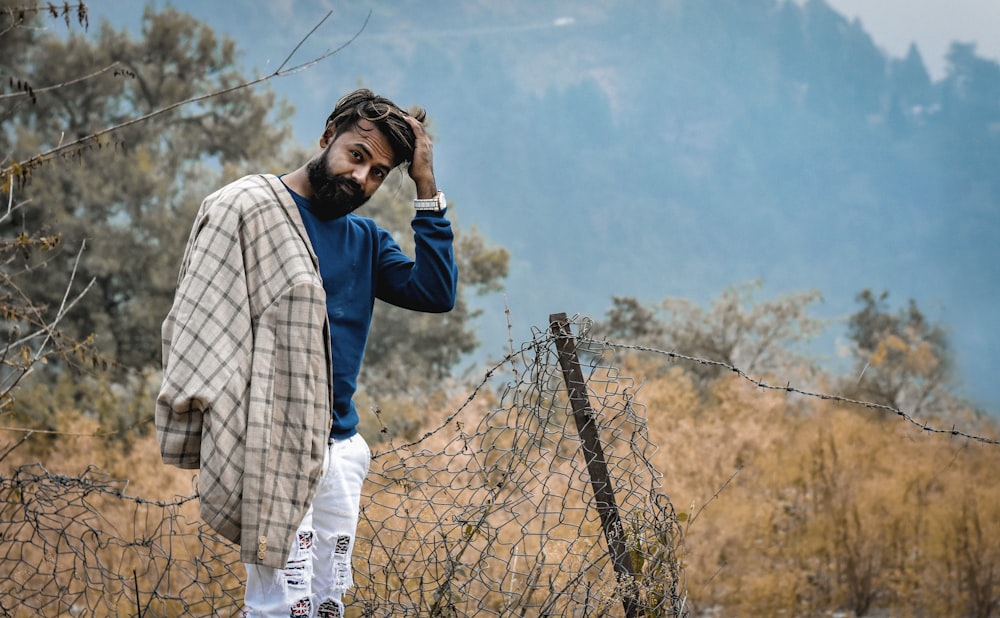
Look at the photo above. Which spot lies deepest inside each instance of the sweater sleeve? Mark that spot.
(206, 336)
(429, 282)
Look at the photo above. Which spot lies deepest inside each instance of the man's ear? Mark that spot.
(327, 136)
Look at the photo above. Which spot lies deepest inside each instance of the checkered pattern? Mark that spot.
(246, 392)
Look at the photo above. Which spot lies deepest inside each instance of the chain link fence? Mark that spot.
(536, 496)
(490, 513)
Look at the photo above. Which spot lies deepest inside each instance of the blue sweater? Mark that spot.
(359, 262)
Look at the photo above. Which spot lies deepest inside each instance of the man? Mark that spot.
(264, 341)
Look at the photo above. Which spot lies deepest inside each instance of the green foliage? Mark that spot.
(125, 203)
(758, 337)
(630, 320)
(112, 409)
(126, 200)
(33, 334)
(902, 360)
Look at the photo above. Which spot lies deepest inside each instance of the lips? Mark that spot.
(350, 187)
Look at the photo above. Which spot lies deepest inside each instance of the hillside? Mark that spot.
(676, 148)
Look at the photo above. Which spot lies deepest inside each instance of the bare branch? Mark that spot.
(34, 91)
(289, 57)
(13, 446)
(10, 203)
(79, 7)
(45, 330)
(718, 492)
(22, 168)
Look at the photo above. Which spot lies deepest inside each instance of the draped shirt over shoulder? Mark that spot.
(246, 393)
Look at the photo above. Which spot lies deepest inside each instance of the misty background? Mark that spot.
(675, 148)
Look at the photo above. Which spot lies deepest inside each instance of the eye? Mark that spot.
(379, 174)
(356, 154)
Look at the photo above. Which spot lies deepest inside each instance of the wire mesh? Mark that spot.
(493, 514)
(80, 546)
(489, 513)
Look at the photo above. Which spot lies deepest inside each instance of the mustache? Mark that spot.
(351, 186)
(334, 184)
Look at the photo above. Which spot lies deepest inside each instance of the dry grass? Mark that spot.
(790, 505)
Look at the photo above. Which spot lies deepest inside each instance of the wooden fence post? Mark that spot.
(597, 466)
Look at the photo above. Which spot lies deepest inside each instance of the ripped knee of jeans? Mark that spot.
(330, 603)
(297, 573)
(330, 608)
(342, 578)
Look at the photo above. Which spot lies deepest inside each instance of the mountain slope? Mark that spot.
(678, 147)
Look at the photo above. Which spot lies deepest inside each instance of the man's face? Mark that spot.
(350, 170)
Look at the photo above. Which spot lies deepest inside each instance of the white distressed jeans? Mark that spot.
(318, 571)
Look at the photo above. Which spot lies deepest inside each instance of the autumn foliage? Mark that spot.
(789, 504)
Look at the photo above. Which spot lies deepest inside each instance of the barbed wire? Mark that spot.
(488, 513)
(788, 388)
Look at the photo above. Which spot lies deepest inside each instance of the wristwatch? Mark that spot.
(434, 204)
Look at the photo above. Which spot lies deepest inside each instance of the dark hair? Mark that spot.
(389, 118)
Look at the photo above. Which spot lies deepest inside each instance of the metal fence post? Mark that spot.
(597, 465)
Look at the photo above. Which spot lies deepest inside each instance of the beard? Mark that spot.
(333, 196)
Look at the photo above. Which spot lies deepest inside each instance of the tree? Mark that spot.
(902, 360)
(33, 336)
(630, 320)
(735, 331)
(846, 69)
(911, 92)
(128, 200)
(112, 212)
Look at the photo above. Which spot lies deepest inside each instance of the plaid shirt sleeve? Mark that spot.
(206, 336)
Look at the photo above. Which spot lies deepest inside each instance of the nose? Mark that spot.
(361, 174)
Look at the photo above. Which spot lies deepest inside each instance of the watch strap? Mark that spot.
(434, 204)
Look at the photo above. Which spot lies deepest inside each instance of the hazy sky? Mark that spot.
(932, 24)
(893, 24)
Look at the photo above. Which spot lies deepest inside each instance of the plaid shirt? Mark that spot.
(246, 393)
